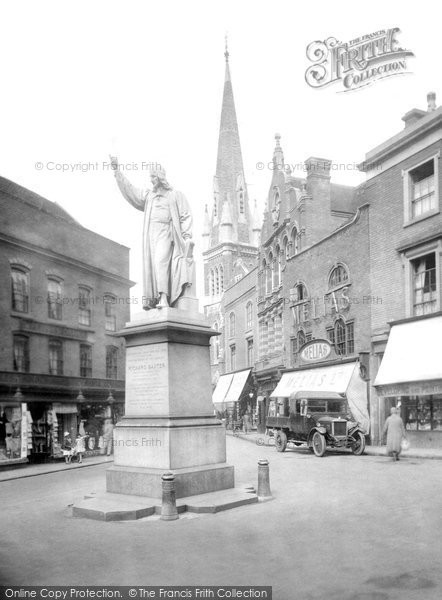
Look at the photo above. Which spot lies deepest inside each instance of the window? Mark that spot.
(423, 413)
(241, 203)
(20, 290)
(84, 306)
(298, 293)
(424, 284)
(216, 282)
(269, 279)
(301, 339)
(21, 354)
(212, 282)
(221, 279)
(250, 354)
(249, 315)
(338, 276)
(110, 319)
(232, 324)
(55, 357)
(277, 268)
(54, 299)
(286, 249)
(111, 362)
(294, 240)
(232, 357)
(342, 337)
(422, 189)
(85, 360)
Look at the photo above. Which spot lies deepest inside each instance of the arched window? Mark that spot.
(338, 276)
(221, 279)
(232, 324)
(241, 202)
(277, 268)
(299, 293)
(285, 248)
(215, 207)
(294, 240)
(342, 337)
(300, 338)
(216, 277)
(249, 315)
(20, 289)
(263, 278)
(270, 274)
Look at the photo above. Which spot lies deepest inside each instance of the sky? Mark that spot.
(144, 80)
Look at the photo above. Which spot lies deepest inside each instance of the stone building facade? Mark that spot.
(65, 293)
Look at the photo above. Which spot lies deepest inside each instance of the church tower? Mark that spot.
(230, 240)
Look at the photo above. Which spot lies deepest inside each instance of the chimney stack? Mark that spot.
(431, 99)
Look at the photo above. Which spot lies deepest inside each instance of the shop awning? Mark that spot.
(333, 382)
(230, 387)
(412, 363)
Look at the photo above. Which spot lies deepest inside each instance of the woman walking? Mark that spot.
(395, 431)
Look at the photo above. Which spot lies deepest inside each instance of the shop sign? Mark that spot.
(315, 351)
(414, 388)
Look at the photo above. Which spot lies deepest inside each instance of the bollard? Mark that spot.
(264, 492)
(168, 505)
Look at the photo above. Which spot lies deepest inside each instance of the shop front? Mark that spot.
(233, 398)
(13, 432)
(410, 378)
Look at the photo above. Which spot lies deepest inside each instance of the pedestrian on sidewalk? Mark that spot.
(108, 436)
(80, 448)
(68, 451)
(247, 421)
(395, 431)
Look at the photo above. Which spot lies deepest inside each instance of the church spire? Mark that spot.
(230, 180)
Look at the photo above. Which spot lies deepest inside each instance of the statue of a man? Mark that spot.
(167, 238)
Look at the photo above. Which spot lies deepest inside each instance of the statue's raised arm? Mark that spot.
(168, 268)
(132, 194)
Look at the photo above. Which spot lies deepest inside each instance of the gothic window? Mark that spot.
(277, 268)
(221, 279)
(285, 248)
(20, 290)
(232, 357)
(338, 276)
(216, 281)
(241, 202)
(269, 278)
(250, 352)
(215, 344)
(54, 299)
(294, 241)
(299, 293)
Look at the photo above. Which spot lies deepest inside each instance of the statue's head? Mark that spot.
(158, 178)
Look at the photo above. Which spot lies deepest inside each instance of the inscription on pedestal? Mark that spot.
(146, 379)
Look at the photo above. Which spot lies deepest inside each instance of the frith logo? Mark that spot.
(357, 63)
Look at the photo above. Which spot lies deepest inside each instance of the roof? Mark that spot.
(24, 195)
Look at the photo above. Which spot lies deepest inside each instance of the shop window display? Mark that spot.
(13, 432)
(423, 413)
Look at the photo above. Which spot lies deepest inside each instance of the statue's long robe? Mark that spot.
(164, 261)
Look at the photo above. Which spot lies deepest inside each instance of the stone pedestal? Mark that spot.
(169, 422)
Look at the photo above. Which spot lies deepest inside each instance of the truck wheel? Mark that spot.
(359, 445)
(280, 441)
(319, 444)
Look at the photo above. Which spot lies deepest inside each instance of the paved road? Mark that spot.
(341, 527)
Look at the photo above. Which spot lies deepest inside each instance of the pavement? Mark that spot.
(27, 470)
(342, 527)
(260, 439)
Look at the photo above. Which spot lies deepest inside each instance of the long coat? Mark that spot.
(395, 430)
(181, 228)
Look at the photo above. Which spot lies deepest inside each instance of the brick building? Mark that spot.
(313, 277)
(64, 295)
(403, 189)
